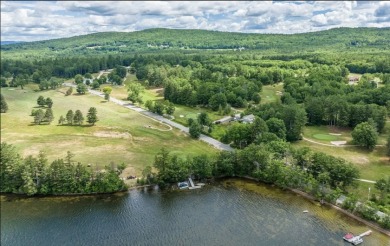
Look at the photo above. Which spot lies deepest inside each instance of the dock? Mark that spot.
(355, 240)
(365, 233)
(192, 186)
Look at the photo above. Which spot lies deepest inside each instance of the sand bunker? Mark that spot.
(338, 143)
(107, 134)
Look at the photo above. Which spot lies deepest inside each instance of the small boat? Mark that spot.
(182, 185)
(305, 211)
(348, 237)
(357, 240)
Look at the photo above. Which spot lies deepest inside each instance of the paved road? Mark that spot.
(204, 138)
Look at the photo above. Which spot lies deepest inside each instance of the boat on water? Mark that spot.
(182, 185)
(348, 237)
(355, 240)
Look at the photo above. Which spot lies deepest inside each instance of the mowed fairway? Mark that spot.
(120, 135)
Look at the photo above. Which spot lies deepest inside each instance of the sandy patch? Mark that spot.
(338, 143)
(335, 134)
(110, 134)
(360, 160)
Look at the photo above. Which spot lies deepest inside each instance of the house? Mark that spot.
(353, 80)
(248, 119)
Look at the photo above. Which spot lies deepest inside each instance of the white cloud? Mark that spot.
(28, 21)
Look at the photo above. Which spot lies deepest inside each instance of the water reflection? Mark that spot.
(233, 212)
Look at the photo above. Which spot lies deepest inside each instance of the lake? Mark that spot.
(229, 212)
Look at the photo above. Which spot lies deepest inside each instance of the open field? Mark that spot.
(372, 165)
(119, 136)
(271, 93)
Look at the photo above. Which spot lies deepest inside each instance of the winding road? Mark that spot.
(213, 142)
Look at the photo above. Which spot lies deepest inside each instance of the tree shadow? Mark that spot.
(84, 125)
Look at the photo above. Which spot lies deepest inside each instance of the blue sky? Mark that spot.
(38, 20)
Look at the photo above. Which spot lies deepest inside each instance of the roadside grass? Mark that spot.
(269, 93)
(218, 131)
(120, 135)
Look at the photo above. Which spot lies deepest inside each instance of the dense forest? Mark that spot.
(346, 39)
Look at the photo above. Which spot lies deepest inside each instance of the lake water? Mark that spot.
(231, 212)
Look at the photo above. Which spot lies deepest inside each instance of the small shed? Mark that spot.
(341, 200)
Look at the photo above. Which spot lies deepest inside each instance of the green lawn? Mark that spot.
(119, 136)
(271, 93)
(326, 134)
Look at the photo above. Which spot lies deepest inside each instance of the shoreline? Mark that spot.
(364, 221)
(309, 197)
(351, 215)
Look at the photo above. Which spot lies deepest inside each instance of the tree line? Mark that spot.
(36, 176)
(273, 162)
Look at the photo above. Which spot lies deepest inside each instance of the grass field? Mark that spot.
(119, 136)
(271, 93)
(325, 134)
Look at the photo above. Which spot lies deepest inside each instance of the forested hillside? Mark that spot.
(339, 39)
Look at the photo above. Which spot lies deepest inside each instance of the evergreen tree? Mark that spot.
(41, 101)
(39, 116)
(78, 117)
(92, 116)
(69, 91)
(4, 105)
(69, 117)
(61, 120)
(49, 115)
(49, 102)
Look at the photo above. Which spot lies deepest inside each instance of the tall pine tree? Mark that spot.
(92, 116)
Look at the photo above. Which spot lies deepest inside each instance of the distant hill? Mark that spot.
(337, 39)
(10, 42)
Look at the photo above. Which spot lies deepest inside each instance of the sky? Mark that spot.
(40, 20)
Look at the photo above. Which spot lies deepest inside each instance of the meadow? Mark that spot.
(120, 135)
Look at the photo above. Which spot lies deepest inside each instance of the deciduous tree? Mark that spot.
(3, 104)
(364, 134)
